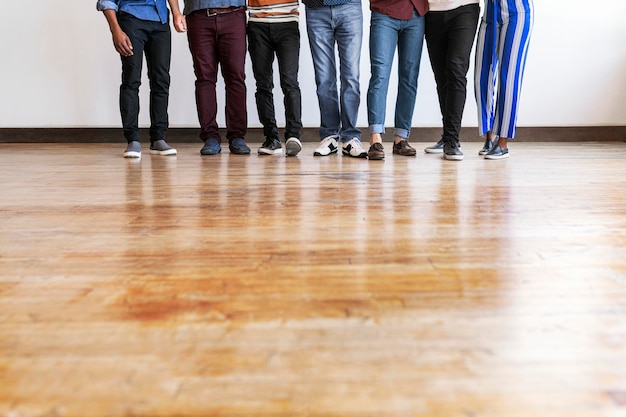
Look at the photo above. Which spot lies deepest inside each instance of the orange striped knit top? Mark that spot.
(273, 11)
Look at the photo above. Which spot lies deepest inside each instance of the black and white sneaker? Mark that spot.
(354, 149)
(436, 148)
(271, 146)
(133, 150)
(293, 146)
(451, 152)
(327, 146)
(160, 147)
(497, 153)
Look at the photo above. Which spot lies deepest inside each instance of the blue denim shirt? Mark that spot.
(153, 10)
(193, 5)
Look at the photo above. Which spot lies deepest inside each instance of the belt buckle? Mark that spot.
(209, 14)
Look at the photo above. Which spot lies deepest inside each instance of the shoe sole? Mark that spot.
(361, 155)
(375, 157)
(236, 152)
(163, 153)
(482, 152)
(316, 153)
(293, 148)
(132, 154)
(405, 154)
(495, 158)
(270, 152)
(453, 157)
(433, 150)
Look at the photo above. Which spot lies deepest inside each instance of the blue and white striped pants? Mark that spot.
(501, 52)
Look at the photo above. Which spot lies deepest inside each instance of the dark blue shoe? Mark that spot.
(238, 146)
(211, 147)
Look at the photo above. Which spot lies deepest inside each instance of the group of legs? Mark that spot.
(501, 50)
(217, 37)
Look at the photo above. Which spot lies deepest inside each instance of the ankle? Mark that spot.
(376, 138)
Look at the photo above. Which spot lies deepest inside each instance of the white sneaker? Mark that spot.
(293, 146)
(354, 149)
(327, 146)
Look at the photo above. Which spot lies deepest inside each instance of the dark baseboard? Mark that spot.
(418, 134)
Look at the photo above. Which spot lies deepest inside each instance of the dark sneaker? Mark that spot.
(238, 147)
(486, 147)
(293, 146)
(403, 148)
(451, 152)
(271, 146)
(353, 148)
(376, 152)
(497, 153)
(160, 147)
(327, 146)
(436, 148)
(211, 147)
(133, 150)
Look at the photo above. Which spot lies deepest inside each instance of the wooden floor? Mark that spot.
(336, 287)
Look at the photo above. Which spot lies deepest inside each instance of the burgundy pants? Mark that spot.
(219, 41)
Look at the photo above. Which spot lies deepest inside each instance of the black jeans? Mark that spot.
(154, 40)
(449, 38)
(283, 40)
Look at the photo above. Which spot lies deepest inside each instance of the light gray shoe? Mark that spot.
(160, 147)
(133, 150)
(293, 146)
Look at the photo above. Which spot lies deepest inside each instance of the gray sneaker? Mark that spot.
(451, 152)
(293, 146)
(133, 150)
(160, 147)
(436, 148)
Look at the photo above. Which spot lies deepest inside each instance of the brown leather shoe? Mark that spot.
(403, 148)
(376, 152)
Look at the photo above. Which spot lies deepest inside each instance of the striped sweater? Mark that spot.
(445, 5)
(273, 11)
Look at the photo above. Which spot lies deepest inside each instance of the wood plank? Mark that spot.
(272, 286)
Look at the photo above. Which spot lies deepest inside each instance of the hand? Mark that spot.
(122, 43)
(180, 23)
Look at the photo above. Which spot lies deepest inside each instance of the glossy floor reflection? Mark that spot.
(271, 286)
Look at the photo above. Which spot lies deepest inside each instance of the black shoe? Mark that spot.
(271, 146)
(436, 148)
(451, 152)
(486, 147)
(211, 147)
(497, 153)
(238, 146)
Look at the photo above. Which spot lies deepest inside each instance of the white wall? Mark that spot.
(58, 68)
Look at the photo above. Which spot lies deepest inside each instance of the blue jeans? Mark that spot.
(327, 26)
(387, 33)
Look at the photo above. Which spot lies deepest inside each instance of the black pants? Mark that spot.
(449, 38)
(152, 39)
(283, 40)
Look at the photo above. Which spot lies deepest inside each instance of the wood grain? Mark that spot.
(272, 286)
